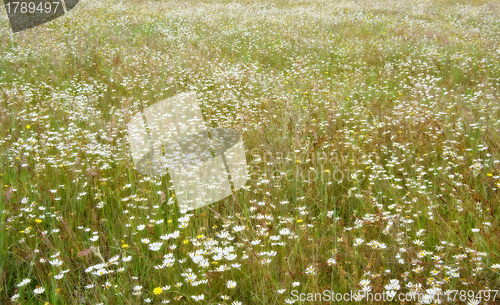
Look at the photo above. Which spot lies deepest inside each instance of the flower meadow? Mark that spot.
(371, 131)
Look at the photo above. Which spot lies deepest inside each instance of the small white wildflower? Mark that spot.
(155, 246)
(127, 258)
(311, 270)
(39, 290)
(24, 282)
(358, 242)
(238, 228)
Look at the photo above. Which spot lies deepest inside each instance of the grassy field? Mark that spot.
(372, 138)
